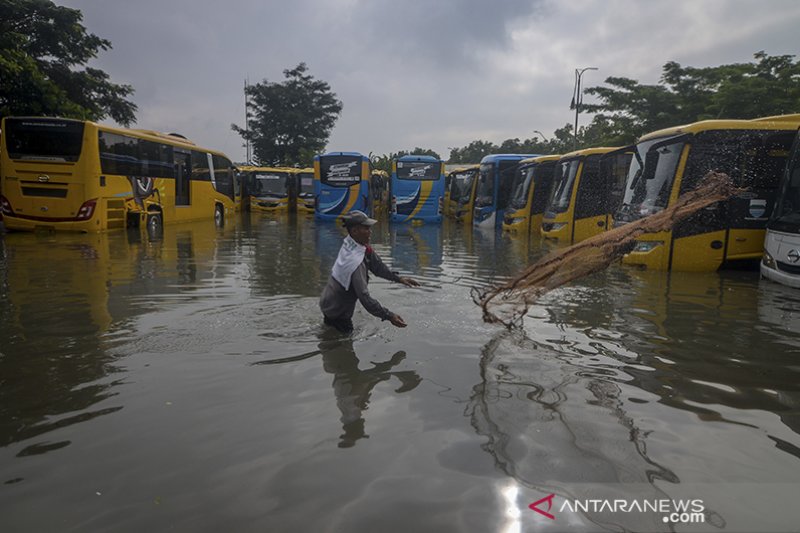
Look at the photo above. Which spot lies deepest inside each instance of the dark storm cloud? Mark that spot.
(444, 32)
(428, 73)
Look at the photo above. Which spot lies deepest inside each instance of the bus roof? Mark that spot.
(540, 159)
(463, 169)
(780, 122)
(506, 157)
(249, 168)
(420, 158)
(351, 154)
(150, 135)
(590, 151)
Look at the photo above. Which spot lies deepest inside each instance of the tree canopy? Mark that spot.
(289, 121)
(768, 86)
(627, 109)
(42, 47)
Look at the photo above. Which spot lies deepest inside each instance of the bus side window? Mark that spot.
(763, 162)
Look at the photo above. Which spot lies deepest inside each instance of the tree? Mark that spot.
(290, 121)
(473, 152)
(42, 46)
(628, 109)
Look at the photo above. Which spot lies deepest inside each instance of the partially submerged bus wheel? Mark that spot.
(155, 226)
(219, 216)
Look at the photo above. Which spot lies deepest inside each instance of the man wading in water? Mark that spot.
(349, 279)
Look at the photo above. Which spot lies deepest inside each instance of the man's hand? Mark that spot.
(408, 282)
(397, 320)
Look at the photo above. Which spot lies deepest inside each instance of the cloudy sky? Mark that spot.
(429, 73)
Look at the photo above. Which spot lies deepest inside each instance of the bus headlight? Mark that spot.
(553, 226)
(768, 261)
(646, 246)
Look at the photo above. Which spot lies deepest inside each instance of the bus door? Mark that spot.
(182, 163)
(591, 214)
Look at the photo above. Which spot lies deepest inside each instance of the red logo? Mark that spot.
(549, 500)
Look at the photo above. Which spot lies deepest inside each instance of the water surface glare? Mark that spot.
(188, 384)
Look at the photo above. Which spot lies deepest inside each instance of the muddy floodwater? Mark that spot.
(188, 384)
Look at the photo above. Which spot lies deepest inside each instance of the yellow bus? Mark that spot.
(463, 183)
(671, 161)
(586, 188)
(63, 174)
(304, 187)
(530, 194)
(268, 189)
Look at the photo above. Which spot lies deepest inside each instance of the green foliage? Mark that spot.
(41, 47)
(290, 121)
(628, 109)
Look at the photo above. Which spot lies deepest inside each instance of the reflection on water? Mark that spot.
(189, 381)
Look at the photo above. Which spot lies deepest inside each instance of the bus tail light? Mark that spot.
(394, 204)
(441, 205)
(87, 209)
(5, 206)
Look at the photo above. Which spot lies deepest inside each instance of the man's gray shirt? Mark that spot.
(336, 302)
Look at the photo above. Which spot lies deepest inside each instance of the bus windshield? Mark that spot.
(269, 185)
(650, 177)
(563, 180)
(306, 184)
(418, 170)
(786, 216)
(461, 186)
(484, 194)
(522, 185)
(44, 139)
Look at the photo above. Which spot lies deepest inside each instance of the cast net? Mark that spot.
(508, 303)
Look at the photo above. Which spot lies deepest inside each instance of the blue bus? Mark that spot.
(341, 185)
(417, 189)
(494, 189)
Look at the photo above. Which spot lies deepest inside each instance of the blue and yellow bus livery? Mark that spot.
(417, 189)
(341, 184)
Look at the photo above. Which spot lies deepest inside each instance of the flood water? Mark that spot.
(189, 384)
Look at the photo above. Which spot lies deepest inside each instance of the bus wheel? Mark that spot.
(219, 216)
(155, 226)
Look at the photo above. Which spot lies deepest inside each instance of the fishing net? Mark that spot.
(508, 303)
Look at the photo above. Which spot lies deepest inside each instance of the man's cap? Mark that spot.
(357, 218)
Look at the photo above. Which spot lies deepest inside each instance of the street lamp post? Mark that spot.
(542, 134)
(577, 100)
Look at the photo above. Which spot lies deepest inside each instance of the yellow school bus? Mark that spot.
(530, 194)
(672, 161)
(584, 193)
(74, 175)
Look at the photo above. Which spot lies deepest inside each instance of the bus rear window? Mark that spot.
(44, 139)
(416, 170)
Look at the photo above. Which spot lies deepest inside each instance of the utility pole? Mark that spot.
(577, 100)
(246, 125)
